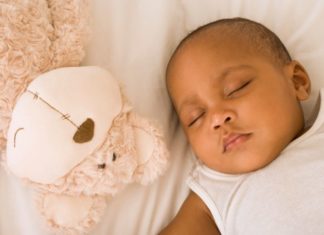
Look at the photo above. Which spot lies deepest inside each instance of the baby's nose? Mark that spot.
(221, 118)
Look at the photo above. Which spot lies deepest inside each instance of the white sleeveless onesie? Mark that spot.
(284, 198)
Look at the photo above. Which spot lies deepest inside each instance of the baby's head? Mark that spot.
(237, 94)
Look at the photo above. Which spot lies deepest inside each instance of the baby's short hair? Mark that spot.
(265, 41)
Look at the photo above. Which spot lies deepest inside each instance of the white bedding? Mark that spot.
(134, 39)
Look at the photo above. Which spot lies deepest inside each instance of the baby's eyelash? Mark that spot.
(245, 84)
(240, 87)
(195, 119)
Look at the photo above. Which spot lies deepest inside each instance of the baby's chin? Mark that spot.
(245, 163)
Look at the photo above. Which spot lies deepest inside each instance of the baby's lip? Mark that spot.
(233, 140)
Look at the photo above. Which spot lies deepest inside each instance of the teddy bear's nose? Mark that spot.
(85, 131)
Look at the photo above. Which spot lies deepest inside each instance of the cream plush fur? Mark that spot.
(42, 40)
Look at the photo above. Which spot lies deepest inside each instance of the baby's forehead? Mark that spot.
(215, 35)
(220, 46)
(247, 36)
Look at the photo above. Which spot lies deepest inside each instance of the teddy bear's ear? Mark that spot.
(151, 150)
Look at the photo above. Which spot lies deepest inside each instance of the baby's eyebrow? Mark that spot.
(189, 101)
(232, 69)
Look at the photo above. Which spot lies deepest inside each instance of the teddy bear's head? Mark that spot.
(73, 131)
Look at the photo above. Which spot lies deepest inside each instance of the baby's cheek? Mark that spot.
(205, 148)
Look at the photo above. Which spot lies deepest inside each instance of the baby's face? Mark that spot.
(237, 108)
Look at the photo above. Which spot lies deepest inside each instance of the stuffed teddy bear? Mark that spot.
(67, 132)
(74, 137)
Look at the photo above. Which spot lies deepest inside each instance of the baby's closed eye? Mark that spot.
(195, 119)
(194, 116)
(232, 90)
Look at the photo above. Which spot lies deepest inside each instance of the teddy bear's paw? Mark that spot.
(66, 214)
(152, 152)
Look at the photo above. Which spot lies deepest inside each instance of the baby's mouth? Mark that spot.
(233, 140)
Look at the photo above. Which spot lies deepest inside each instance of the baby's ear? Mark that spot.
(300, 80)
(152, 154)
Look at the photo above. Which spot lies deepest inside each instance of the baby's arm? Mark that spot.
(193, 218)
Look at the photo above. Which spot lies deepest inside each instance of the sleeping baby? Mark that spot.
(260, 170)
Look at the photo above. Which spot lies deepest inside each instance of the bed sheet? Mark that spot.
(134, 39)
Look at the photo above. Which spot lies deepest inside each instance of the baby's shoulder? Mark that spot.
(193, 217)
